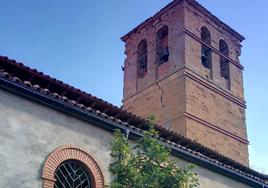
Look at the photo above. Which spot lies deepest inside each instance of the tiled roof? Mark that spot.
(24, 76)
(196, 5)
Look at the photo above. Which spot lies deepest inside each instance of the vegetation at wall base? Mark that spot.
(147, 164)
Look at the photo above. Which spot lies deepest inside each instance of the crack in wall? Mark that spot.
(165, 113)
(161, 97)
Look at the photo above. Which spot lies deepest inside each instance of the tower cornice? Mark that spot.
(193, 3)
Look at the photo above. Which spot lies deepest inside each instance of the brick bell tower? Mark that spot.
(183, 66)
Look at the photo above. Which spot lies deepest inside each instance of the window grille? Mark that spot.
(72, 174)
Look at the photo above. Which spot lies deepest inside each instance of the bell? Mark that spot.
(204, 57)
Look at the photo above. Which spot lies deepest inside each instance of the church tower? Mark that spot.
(182, 65)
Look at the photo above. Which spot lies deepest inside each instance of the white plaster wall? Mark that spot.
(209, 179)
(29, 132)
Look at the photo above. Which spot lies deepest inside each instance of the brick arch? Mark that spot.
(70, 152)
(161, 24)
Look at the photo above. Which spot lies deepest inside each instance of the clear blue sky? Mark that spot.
(79, 43)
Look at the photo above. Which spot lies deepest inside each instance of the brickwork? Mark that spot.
(218, 141)
(173, 20)
(69, 152)
(159, 98)
(194, 21)
(186, 96)
(214, 108)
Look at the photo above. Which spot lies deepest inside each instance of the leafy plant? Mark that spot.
(147, 164)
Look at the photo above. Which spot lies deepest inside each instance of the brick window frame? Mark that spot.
(142, 58)
(66, 153)
(206, 52)
(162, 45)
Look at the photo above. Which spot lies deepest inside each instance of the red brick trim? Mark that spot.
(70, 152)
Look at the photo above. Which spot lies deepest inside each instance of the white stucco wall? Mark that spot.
(30, 132)
(209, 179)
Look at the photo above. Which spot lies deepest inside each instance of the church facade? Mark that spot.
(182, 65)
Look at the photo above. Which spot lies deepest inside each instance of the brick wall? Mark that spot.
(163, 100)
(174, 20)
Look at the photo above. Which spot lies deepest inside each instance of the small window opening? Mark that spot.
(224, 63)
(206, 57)
(142, 59)
(162, 49)
(206, 53)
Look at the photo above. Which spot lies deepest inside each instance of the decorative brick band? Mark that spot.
(190, 74)
(216, 128)
(69, 152)
(194, 76)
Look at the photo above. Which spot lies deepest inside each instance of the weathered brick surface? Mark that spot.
(173, 19)
(180, 92)
(194, 21)
(215, 109)
(159, 98)
(217, 141)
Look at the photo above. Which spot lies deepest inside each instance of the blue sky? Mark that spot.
(79, 43)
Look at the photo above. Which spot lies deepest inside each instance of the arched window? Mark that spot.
(71, 167)
(142, 59)
(162, 49)
(206, 54)
(72, 173)
(224, 63)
